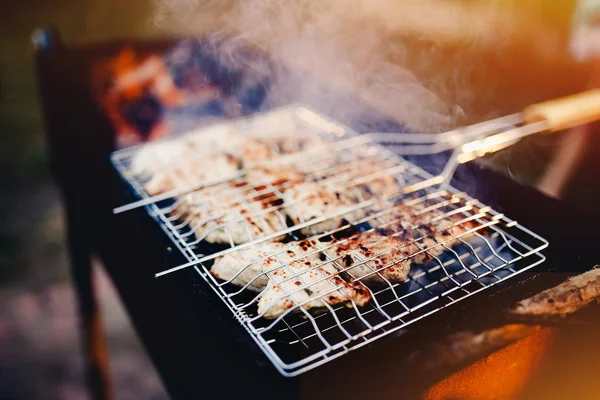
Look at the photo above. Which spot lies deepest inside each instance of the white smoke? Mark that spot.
(389, 55)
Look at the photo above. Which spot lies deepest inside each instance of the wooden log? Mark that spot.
(528, 316)
(560, 301)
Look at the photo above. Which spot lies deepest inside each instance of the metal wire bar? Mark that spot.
(341, 242)
(325, 234)
(414, 277)
(244, 204)
(323, 248)
(335, 175)
(297, 227)
(364, 277)
(185, 189)
(485, 249)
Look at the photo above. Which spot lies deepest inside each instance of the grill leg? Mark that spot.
(95, 351)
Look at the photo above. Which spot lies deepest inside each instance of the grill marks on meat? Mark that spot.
(372, 257)
(195, 158)
(431, 229)
(216, 218)
(307, 200)
(160, 156)
(192, 171)
(372, 177)
(281, 176)
(267, 147)
(311, 274)
(312, 200)
(388, 252)
(220, 214)
(288, 276)
(309, 284)
(247, 266)
(185, 161)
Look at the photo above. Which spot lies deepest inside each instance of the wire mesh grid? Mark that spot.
(445, 246)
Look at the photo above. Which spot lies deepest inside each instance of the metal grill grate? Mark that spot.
(451, 245)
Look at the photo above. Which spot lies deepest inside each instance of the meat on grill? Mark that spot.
(276, 176)
(370, 176)
(249, 265)
(222, 214)
(315, 274)
(191, 171)
(216, 218)
(238, 216)
(431, 227)
(374, 257)
(306, 200)
(309, 284)
(270, 146)
(312, 200)
(271, 267)
(378, 183)
(194, 158)
(163, 155)
(387, 253)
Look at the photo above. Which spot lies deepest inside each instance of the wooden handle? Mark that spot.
(566, 112)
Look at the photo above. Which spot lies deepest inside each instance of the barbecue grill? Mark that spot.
(491, 247)
(197, 341)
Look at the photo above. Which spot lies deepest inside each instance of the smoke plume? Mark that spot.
(413, 61)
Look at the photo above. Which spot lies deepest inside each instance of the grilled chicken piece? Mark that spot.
(271, 267)
(282, 176)
(307, 200)
(375, 256)
(246, 266)
(156, 156)
(238, 226)
(387, 252)
(288, 141)
(309, 284)
(256, 153)
(189, 172)
(198, 157)
(427, 232)
(371, 177)
(269, 146)
(163, 155)
(227, 214)
(311, 200)
(293, 142)
(379, 184)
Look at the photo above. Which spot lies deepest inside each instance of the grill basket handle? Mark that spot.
(566, 112)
